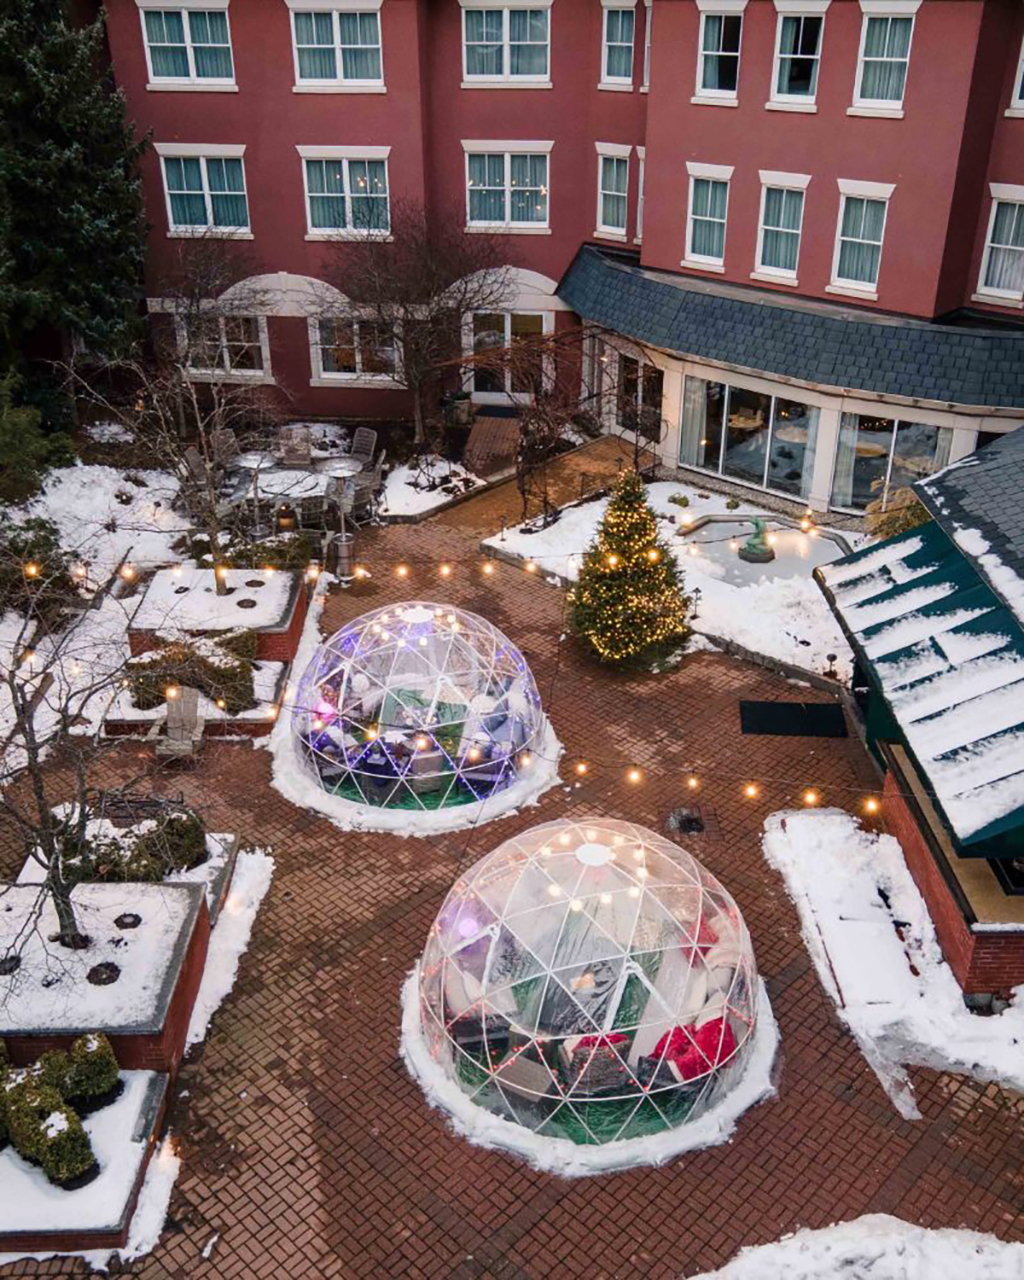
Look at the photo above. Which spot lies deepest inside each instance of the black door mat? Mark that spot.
(793, 719)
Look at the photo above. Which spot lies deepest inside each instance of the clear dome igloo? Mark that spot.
(417, 707)
(590, 981)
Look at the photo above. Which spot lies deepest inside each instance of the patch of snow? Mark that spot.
(230, 937)
(1006, 582)
(56, 1122)
(562, 1156)
(109, 433)
(880, 1247)
(834, 871)
(292, 484)
(184, 599)
(406, 491)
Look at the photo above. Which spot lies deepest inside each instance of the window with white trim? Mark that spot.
(858, 251)
(1017, 93)
(797, 56)
(188, 46)
(1002, 266)
(335, 47)
(778, 233)
(612, 193)
(617, 52)
(506, 189)
(884, 59)
(347, 194)
(718, 59)
(648, 24)
(878, 457)
(640, 195)
(348, 348)
(706, 217)
(205, 192)
(523, 375)
(506, 45)
(217, 345)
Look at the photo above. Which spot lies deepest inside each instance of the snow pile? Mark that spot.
(104, 515)
(850, 888)
(783, 618)
(249, 884)
(561, 1155)
(880, 1247)
(185, 599)
(414, 488)
(109, 433)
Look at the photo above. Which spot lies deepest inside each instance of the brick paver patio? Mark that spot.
(310, 1152)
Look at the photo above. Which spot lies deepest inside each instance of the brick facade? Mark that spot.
(983, 963)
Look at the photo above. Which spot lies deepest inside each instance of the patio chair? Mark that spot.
(296, 447)
(366, 494)
(181, 726)
(364, 445)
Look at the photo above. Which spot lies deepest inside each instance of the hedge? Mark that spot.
(225, 675)
(93, 1069)
(45, 1130)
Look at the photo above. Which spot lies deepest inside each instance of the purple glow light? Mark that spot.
(468, 925)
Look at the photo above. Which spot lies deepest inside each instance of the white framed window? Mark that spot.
(612, 189)
(224, 346)
(884, 56)
(1016, 107)
(507, 186)
(346, 192)
(648, 25)
(338, 49)
(706, 215)
(798, 41)
(205, 189)
(617, 48)
(350, 349)
(520, 378)
(642, 154)
(506, 46)
(780, 224)
(718, 51)
(188, 48)
(863, 208)
(1002, 263)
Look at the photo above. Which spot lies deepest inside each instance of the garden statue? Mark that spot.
(756, 549)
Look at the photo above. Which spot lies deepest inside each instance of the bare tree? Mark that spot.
(408, 297)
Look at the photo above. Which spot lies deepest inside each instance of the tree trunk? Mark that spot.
(417, 416)
(68, 934)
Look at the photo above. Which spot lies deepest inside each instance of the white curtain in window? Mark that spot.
(846, 457)
(528, 42)
(1005, 267)
(780, 240)
(695, 401)
(709, 203)
(487, 188)
(528, 176)
(314, 40)
(886, 50)
(861, 239)
(165, 35)
(210, 47)
(484, 48)
(614, 179)
(360, 46)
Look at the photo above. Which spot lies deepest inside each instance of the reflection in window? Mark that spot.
(877, 456)
(523, 374)
(794, 437)
(746, 436)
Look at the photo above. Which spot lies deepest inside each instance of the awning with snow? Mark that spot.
(947, 656)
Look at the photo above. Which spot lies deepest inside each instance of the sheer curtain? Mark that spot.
(165, 35)
(368, 191)
(227, 193)
(484, 35)
(618, 44)
(780, 240)
(846, 457)
(325, 181)
(708, 220)
(861, 239)
(886, 50)
(185, 190)
(314, 40)
(210, 46)
(1005, 267)
(614, 179)
(528, 42)
(529, 193)
(692, 433)
(487, 188)
(360, 46)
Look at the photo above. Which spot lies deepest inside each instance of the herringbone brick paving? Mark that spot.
(310, 1151)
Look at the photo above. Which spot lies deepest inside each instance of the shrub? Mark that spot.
(732, 504)
(51, 590)
(26, 452)
(208, 667)
(45, 1130)
(176, 843)
(292, 551)
(904, 511)
(53, 1070)
(680, 499)
(93, 1067)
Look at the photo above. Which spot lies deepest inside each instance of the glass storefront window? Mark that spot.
(877, 456)
(794, 437)
(746, 437)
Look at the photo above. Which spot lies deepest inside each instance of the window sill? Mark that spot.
(339, 88)
(1014, 113)
(354, 237)
(877, 113)
(615, 86)
(694, 265)
(506, 84)
(207, 233)
(638, 240)
(699, 101)
(507, 231)
(619, 237)
(357, 383)
(766, 277)
(851, 291)
(212, 375)
(645, 88)
(996, 300)
(190, 86)
(803, 108)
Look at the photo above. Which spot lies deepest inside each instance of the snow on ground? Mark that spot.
(782, 618)
(877, 1247)
(185, 599)
(561, 1155)
(99, 528)
(405, 492)
(249, 884)
(109, 433)
(836, 874)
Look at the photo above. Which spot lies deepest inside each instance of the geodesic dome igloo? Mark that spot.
(417, 706)
(589, 980)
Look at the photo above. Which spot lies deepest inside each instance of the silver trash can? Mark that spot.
(343, 554)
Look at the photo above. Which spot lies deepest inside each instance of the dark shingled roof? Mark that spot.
(809, 341)
(984, 492)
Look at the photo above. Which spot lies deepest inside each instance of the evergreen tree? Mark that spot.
(72, 233)
(628, 602)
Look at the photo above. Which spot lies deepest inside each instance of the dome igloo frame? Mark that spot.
(420, 717)
(588, 998)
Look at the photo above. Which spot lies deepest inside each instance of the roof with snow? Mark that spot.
(979, 502)
(947, 655)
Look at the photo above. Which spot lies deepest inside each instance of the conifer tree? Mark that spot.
(628, 601)
(71, 214)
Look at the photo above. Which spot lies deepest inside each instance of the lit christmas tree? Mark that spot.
(628, 601)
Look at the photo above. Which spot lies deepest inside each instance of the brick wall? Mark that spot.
(983, 963)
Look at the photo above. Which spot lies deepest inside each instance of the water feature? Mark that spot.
(797, 553)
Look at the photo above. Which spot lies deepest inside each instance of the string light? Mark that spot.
(401, 570)
(693, 782)
(445, 570)
(751, 790)
(526, 759)
(581, 767)
(613, 561)
(634, 774)
(531, 567)
(361, 571)
(422, 742)
(222, 704)
(871, 805)
(171, 692)
(805, 523)
(810, 797)
(654, 555)
(127, 572)
(31, 570)
(488, 567)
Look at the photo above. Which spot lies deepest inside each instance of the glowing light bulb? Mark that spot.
(641, 873)
(222, 704)
(871, 805)
(445, 571)
(805, 523)
(473, 753)
(606, 899)
(526, 760)
(633, 891)
(171, 692)
(581, 767)
(402, 570)
(554, 891)
(575, 905)
(693, 782)
(422, 742)
(810, 797)
(423, 642)
(488, 567)
(31, 570)
(751, 790)
(371, 734)
(634, 774)
(127, 572)
(654, 555)
(531, 567)
(613, 561)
